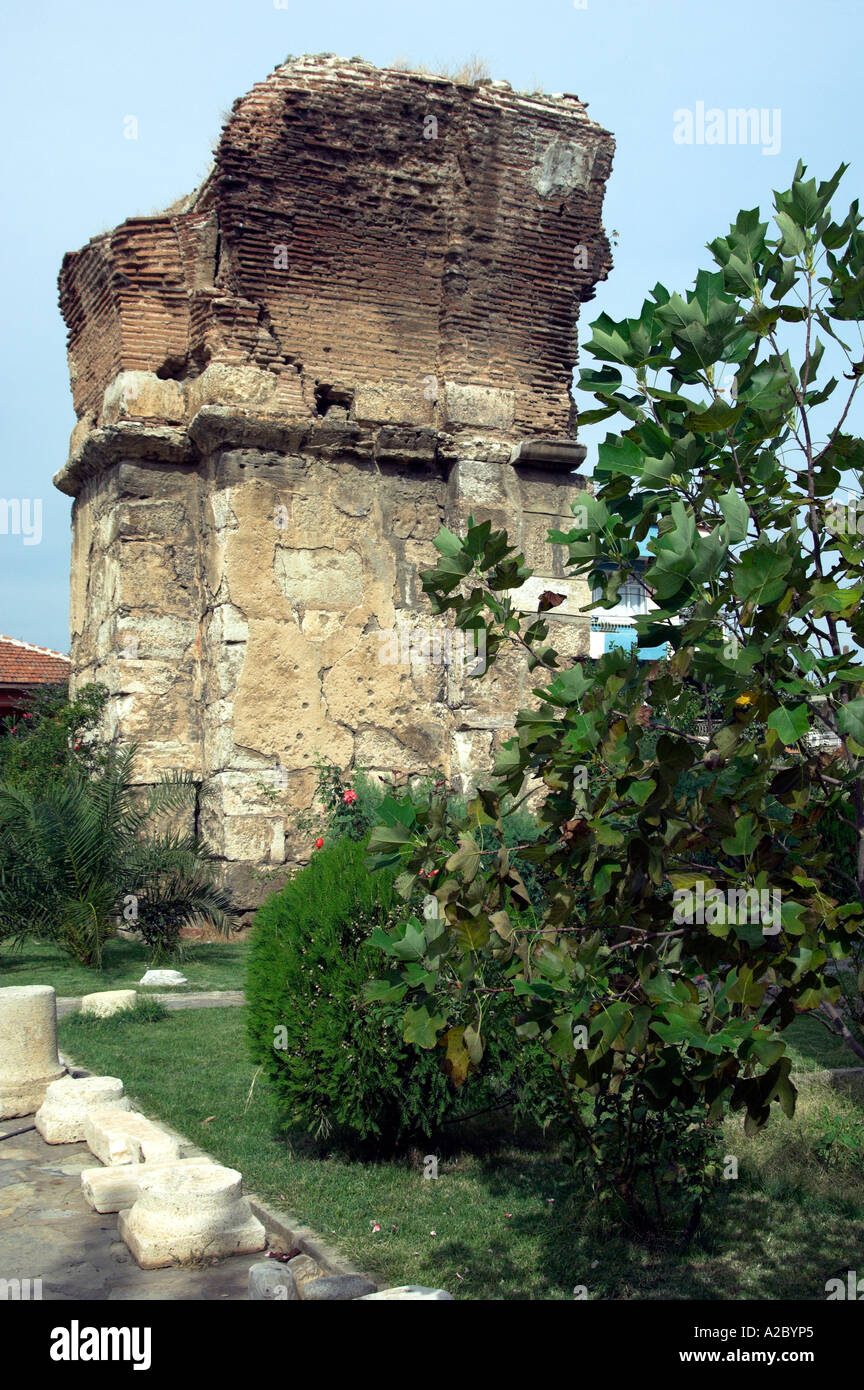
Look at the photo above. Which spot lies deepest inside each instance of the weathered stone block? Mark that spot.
(108, 1002)
(325, 578)
(271, 1281)
(163, 979)
(337, 1288)
(527, 597)
(117, 1187)
(221, 384)
(189, 1213)
(142, 396)
(477, 405)
(116, 1136)
(408, 1293)
(385, 403)
(479, 483)
(304, 1271)
(62, 1116)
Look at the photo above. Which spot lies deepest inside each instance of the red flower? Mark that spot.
(349, 797)
(319, 843)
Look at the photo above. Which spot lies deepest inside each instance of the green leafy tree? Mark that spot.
(52, 735)
(695, 910)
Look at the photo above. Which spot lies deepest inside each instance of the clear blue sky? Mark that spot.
(71, 73)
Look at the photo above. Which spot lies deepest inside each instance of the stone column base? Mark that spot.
(28, 1048)
(117, 1187)
(190, 1213)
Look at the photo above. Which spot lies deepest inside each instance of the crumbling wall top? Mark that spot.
(371, 245)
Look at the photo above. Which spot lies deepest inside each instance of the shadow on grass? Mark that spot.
(753, 1244)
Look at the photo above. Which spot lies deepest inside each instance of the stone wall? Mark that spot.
(362, 326)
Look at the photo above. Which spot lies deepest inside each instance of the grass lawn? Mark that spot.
(813, 1047)
(206, 965)
(503, 1222)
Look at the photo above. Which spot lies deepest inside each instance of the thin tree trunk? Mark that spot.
(695, 1217)
(839, 1026)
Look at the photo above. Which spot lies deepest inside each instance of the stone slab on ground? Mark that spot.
(125, 1136)
(408, 1293)
(338, 1288)
(62, 1116)
(164, 979)
(197, 999)
(115, 1188)
(48, 1232)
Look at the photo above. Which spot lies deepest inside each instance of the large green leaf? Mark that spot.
(791, 723)
(850, 719)
(737, 515)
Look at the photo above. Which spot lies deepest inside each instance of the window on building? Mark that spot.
(631, 600)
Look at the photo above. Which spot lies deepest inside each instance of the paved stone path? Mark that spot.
(194, 999)
(48, 1232)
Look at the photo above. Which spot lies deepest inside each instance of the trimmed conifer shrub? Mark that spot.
(336, 1060)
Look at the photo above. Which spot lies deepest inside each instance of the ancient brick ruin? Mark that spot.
(361, 326)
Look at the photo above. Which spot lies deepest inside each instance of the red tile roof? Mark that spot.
(23, 664)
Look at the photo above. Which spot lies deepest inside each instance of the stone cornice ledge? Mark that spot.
(213, 427)
(219, 427)
(127, 439)
(559, 455)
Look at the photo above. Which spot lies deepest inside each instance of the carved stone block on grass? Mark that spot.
(190, 1213)
(62, 1116)
(163, 979)
(108, 1002)
(117, 1136)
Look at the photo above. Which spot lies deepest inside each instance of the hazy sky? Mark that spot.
(72, 73)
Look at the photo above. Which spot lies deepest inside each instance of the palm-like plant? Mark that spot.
(73, 851)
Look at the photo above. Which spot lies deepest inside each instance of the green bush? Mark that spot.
(79, 850)
(347, 802)
(52, 737)
(337, 1061)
